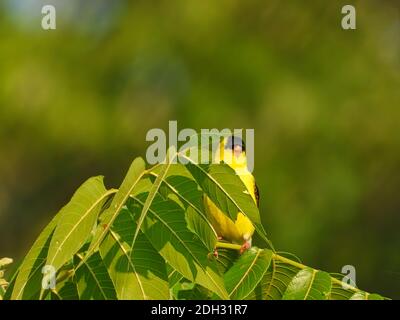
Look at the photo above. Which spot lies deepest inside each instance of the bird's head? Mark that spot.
(233, 151)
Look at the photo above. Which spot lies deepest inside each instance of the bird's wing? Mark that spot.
(257, 195)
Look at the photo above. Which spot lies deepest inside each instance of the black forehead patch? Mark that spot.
(234, 141)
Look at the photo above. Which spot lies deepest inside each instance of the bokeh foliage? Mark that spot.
(324, 104)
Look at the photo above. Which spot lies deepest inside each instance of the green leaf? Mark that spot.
(227, 191)
(242, 278)
(191, 291)
(138, 271)
(366, 296)
(274, 282)
(28, 282)
(76, 221)
(173, 276)
(65, 291)
(93, 281)
(309, 284)
(11, 284)
(166, 228)
(226, 259)
(197, 225)
(340, 292)
(188, 194)
(135, 173)
(180, 182)
(152, 193)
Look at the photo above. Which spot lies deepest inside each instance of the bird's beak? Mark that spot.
(237, 151)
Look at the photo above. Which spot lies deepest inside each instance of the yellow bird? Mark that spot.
(233, 152)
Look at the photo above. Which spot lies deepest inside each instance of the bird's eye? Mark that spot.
(233, 142)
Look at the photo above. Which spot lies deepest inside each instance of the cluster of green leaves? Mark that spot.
(151, 239)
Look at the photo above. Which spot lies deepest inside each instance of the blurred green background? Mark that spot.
(324, 102)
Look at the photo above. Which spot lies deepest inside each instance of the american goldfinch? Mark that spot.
(233, 152)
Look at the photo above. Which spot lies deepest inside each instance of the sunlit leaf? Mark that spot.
(152, 193)
(93, 281)
(242, 278)
(308, 284)
(274, 282)
(340, 292)
(197, 225)
(136, 269)
(65, 291)
(188, 193)
(173, 276)
(166, 228)
(135, 173)
(76, 221)
(28, 283)
(226, 258)
(196, 292)
(366, 296)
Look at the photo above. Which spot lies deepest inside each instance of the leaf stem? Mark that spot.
(227, 245)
